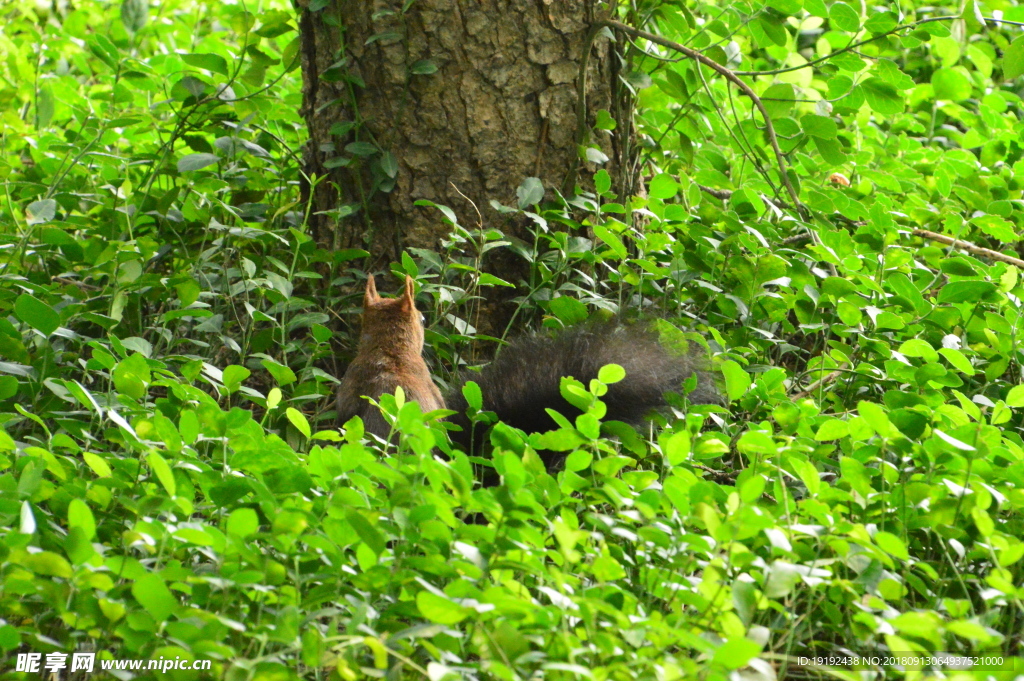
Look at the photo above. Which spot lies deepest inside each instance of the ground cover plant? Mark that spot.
(171, 483)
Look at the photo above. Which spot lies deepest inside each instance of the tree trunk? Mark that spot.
(387, 129)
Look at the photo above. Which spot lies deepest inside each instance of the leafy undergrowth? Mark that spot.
(170, 485)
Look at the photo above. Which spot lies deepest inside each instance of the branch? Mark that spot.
(730, 76)
(721, 194)
(848, 48)
(854, 46)
(816, 385)
(726, 194)
(970, 248)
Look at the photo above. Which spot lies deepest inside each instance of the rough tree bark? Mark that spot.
(500, 107)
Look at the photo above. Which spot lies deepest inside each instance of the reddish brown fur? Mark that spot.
(389, 356)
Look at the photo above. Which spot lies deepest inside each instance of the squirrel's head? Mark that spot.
(392, 321)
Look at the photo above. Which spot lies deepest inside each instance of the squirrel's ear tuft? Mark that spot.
(371, 291)
(409, 298)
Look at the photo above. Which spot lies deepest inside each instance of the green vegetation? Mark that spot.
(170, 481)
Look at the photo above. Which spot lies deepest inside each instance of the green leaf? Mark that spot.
(602, 182)
(568, 309)
(831, 151)
(816, 8)
(1015, 398)
(983, 521)
(736, 652)
(957, 360)
(193, 535)
(100, 467)
(134, 14)
(210, 62)
(423, 67)
(367, 532)
(820, 126)
(196, 162)
(1011, 554)
(105, 50)
(342, 128)
(1013, 59)
(49, 564)
(966, 291)
(36, 314)
(611, 373)
(876, 417)
(612, 240)
(832, 429)
(605, 121)
(488, 279)
(844, 17)
(770, 32)
(881, 22)
(242, 523)
(41, 211)
(233, 376)
(387, 36)
(881, 96)
(282, 374)
(951, 84)
(916, 347)
(530, 192)
(997, 227)
(737, 381)
(606, 569)
(153, 595)
(80, 516)
(663, 186)
(163, 472)
(440, 609)
(848, 62)
(946, 49)
(131, 376)
(677, 447)
(188, 292)
(787, 7)
(474, 397)
(779, 99)
(959, 266)
(361, 148)
(891, 544)
(298, 420)
(389, 164)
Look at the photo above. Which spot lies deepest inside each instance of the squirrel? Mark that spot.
(521, 382)
(390, 355)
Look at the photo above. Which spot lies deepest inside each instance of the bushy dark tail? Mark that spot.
(525, 377)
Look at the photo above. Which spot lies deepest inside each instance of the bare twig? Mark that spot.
(77, 284)
(796, 239)
(479, 218)
(722, 194)
(970, 248)
(817, 384)
(726, 194)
